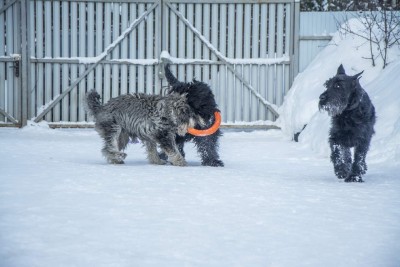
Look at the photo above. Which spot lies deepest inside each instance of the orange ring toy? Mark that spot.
(210, 130)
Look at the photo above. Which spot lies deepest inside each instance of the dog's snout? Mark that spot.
(322, 97)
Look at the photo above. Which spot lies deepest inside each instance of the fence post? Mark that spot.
(25, 56)
(296, 40)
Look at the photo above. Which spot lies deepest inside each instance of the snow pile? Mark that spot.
(300, 106)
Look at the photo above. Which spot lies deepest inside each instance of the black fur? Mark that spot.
(201, 99)
(353, 119)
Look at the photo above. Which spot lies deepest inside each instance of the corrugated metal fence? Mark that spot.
(316, 29)
(246, 51)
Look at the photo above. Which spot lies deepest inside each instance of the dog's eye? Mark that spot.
(337, 86)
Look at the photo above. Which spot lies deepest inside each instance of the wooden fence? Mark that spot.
(246, 51)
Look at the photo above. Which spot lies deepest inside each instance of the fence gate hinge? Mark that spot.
(16, 62)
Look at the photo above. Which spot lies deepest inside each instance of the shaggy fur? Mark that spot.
(201, 100)
(155, 120)
(353, 119)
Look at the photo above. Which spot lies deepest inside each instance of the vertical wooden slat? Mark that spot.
(74, 68)
(214, 41)
(39, 54)
(206, 34)
(231, 81)
(17, 49)
(99, 46)
(198, 44)
(288, 39)
(82, 53)
(173, 38)
(65, 53)
(56, 53)
(254, 102)
(239, 69)
(157, 47)
(90, 43)
(149, 51)
(181, 45)
(48, 53)
(107, 42)
(279, 53)
(271, 54)
(2, 66)
(224, 89)
(263, 87)
(190, 45)
(132, 49)
(115, 53)
(124, 48)
(141, 48)
(247, 67)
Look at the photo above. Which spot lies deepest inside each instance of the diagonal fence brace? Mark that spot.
(221, 57)
(101, 57)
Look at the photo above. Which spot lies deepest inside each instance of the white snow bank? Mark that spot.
(300, 106)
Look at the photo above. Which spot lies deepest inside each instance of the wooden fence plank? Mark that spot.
(65, 53)
(56, 35)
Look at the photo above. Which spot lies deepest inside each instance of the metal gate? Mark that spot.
(10, 55)
(243, 49)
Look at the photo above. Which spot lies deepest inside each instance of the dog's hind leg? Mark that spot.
(207, 148)
(123, 140)
(111, 135)
(152, 154)
(359, 166)
(341, 159)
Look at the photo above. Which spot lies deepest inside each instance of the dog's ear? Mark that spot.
(357, 76)
(340, 70)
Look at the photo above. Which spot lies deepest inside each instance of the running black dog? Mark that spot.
(353, 119)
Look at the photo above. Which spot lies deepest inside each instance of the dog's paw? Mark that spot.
(116, 161)
(158, 161)
(213, 163)
(342, 174)
(354, 178)
(179, 162)
(117, 157)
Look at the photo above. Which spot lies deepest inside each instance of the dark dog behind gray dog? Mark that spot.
(201, 100)
(155, 120)
(353, 119)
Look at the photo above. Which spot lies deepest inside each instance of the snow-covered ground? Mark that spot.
(275, 203)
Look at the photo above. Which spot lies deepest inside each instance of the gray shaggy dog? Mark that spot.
(353, 119)
(154, 119)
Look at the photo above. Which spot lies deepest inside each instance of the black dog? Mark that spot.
(201, 99)
(353, 119)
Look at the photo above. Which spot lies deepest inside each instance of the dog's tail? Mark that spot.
(172, 80)
(92, 104)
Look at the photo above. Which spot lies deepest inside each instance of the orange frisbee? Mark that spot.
(210, 130)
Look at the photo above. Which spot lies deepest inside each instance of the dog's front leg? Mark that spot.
(207, 148)
(359, 166)
(168, 145)
(341, 159)
(152, 154)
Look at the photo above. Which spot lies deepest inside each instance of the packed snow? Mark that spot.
(275, 203)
